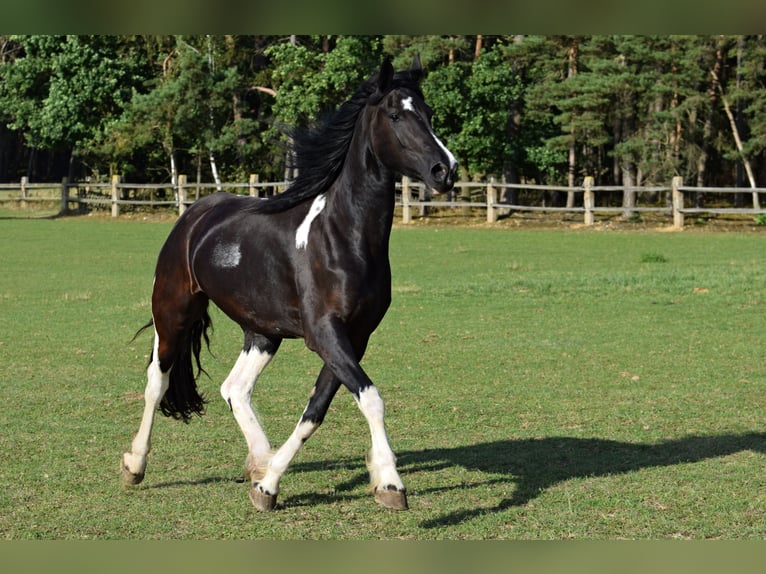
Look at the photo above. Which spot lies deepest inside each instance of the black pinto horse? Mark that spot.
(310, 263)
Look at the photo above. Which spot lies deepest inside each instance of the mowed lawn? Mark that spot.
(540, 384)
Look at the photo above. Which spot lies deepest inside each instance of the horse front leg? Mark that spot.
(264, 489)
(133, 463)
(386, 483)
(343, 359)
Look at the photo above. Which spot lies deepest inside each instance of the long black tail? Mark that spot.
(182, 399)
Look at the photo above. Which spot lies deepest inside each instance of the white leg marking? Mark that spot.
(156, 385)
(381, 462)
(282, 458)
(302, 233)
(237, 390)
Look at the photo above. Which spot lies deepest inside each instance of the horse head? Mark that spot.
(402, 137)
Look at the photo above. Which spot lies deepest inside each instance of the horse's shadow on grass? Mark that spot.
(535, 465)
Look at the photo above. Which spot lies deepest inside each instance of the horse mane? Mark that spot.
(320, 151)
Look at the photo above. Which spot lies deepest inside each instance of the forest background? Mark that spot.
(628, 110)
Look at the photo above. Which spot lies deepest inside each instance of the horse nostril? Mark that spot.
(439, 172)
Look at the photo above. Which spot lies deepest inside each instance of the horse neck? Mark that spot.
(364, 193)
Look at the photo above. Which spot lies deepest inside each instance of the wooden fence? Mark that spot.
(413, 198)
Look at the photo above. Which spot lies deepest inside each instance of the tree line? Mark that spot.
(628, 110)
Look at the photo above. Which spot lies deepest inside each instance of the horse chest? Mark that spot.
(347, 287)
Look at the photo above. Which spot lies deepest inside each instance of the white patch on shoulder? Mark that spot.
(302, 233)
(227, 255)
(407, 104)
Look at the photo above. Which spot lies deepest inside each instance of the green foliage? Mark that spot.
(491, 91)
(309, 82)
(61, 90)
(622, 108)
(547, 160)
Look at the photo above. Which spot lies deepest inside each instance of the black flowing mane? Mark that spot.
(321, 151)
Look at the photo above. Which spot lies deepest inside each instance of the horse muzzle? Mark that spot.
(443, 176)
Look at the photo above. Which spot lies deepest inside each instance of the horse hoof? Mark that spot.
(129, 477)
(262, 501)
(394, 499)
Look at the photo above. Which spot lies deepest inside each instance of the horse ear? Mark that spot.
(416, 69)
(385, 76)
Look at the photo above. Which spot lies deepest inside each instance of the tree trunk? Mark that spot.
(214, 169)
(510, 175)
(174, 174)
(738, 142)
(211, 115)
(70, 166)
(674, 147)
(571, 72)
(739, 198)
(708, 127)
(199, 176)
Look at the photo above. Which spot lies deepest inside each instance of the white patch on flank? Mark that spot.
(227, 255)
(407, 104)
(302, 234)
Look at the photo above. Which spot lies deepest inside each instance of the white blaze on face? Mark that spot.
(407, 105)
(452, 160)
(227, 255)
(302, 234)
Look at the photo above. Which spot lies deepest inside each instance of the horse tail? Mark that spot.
(182, 399)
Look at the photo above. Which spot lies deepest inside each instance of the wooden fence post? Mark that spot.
(465, 197)
(423, 195)
(406, 210)
(254, 178)
(64, 195)
(181, 194)
(115, 195)
(491, 201)
(24, 181)
(588, 200)
(678, 203)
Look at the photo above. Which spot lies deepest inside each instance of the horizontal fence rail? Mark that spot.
(413, 198)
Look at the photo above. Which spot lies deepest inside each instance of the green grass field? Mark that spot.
(539, 385)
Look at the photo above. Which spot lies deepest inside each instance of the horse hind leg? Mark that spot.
(133, 462)
(237, 391)
(171, 384)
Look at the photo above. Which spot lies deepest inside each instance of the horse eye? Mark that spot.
(394, 117)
